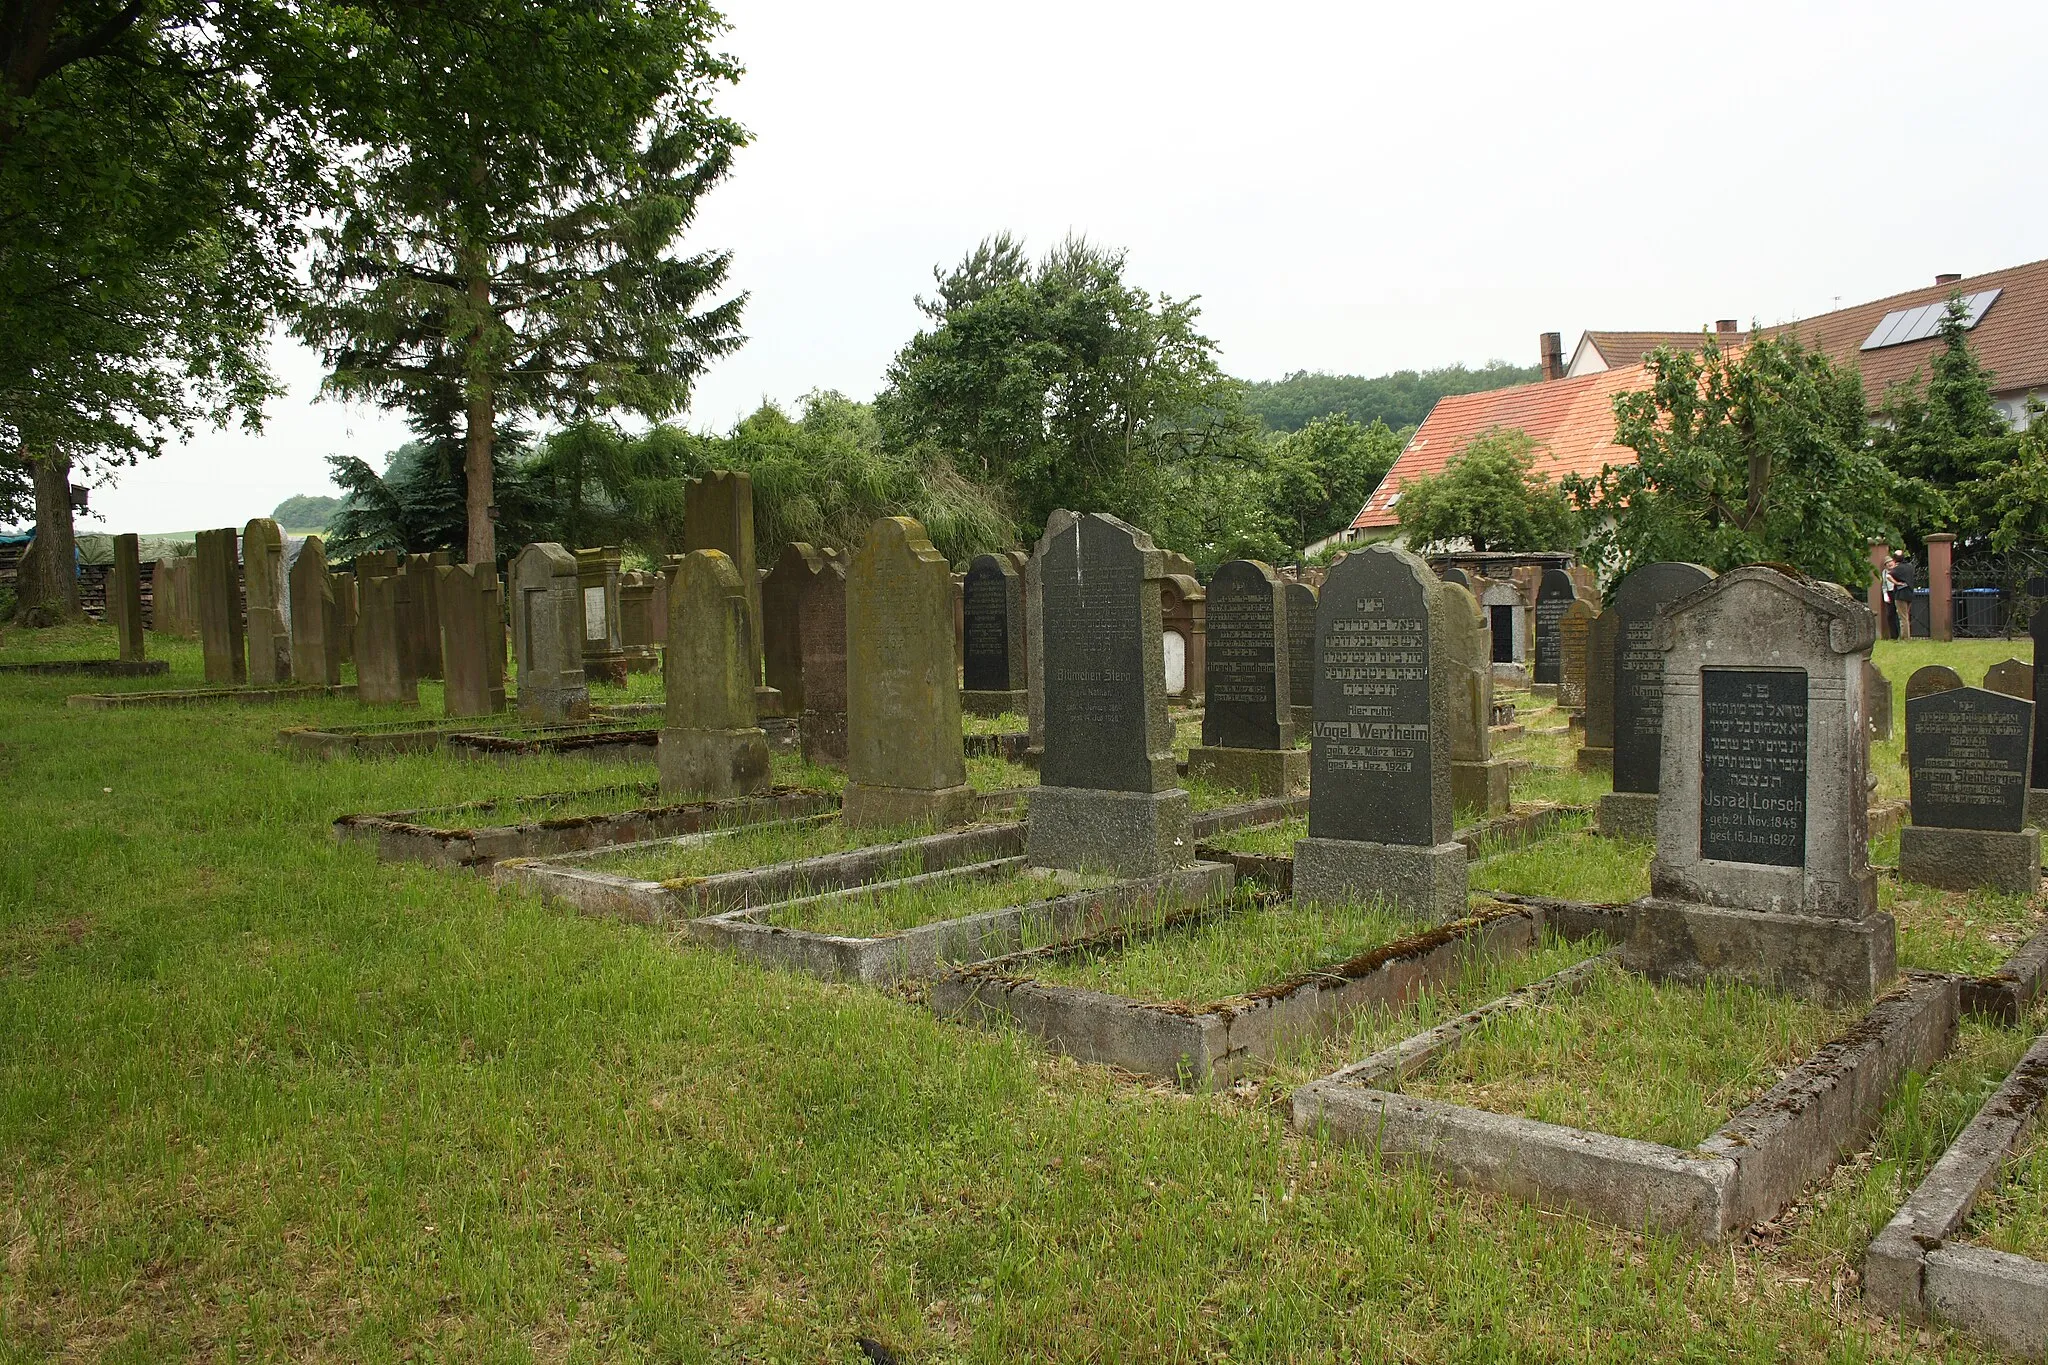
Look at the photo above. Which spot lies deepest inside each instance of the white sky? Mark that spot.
(1350, 187)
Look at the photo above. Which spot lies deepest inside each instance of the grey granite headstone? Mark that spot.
(316, 618)
(906, 764)
(712, 748)
(1108, 799)
(384, 673)
(1301, 657)
(263, 581)
(1970, 753)
(1380, 808)
(1630, 810)
(1248, 715)
(472, 608)
(1553, 597)
(1479, 781)
(1034, 628)
(124, 598)
(217, 595)
(993, 678)
(547, 634)
(821, 628)
(1761, 872)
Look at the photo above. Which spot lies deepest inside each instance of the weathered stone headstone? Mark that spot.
(1301, 658)
(718, 514)
(1630, 810)
(994, 678)
(170, 597)
(384, 672)
(782, 643)
(423, 613)
(1597, 753)
(1554, 597)
(217, 592)
(1507, 617)
(821, 628)
(1453, 574)
(1877, 694)
(547, 634)
(905, 761)
(1183, 619)
(1248, 715)
(2011, 677)
(263, 584)
(124, 597)
(639, 637)
(1479, 781)
(1034, 629)
(472, 608)
(712, 747)
(1380, 813)
(1970, 754)
(604, 648)
(345, 612)
(1574, 632)
(1109, 798)
(1761, 872)
(316, 618)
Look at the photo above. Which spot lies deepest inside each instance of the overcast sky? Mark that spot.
(1349, 187)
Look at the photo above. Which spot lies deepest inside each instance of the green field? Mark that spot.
(263, 1096)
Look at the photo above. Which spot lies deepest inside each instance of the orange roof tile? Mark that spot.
(1570, 420)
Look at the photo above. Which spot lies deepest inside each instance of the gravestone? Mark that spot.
(1630, 810)
(994, 679)
(1109, 798)
(1479, 781)
(124, 597)
(263, 584)
(821, 630)
(2010, 676)
(639, 638)
(1034, 630)
(384, 674)
(1574, 633)
(316, 623)
(1453, 574)
(1248, 715)
(1554, 596)
(1596, 755)
(1507, 621)
(712, 747)
(1380, 814)
(604, 647)
(423, 612)
(718, 514)
(905, 761)
(345, 612)
(1972, 749)
(472, 608)
(170, 586)
(1925, 682)
(547, 635)
(1301, 658)
(1877, 694)
(1761, 873)
(217, 594)
(1183, 641)
(782, 644)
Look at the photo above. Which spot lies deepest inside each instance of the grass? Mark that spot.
(893, 909)
(994, 773)
(1008, 723)
(1575, 865)
(1956, 931)
(1663, 1063)
(2014, 1216)
(744, 846)
(264, 1096)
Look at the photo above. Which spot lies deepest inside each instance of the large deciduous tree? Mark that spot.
(1319, 476)
(1487, 494)
(504, 245)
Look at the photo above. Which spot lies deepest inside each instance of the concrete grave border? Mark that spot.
(100, 668)
(1910, 1271)
(201, 696)
(420, 736)
(1749, 1170)
(2007, 992)
(403, 836)
(568, 741)
(1517, 828)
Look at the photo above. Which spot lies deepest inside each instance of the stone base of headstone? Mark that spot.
(605, 668)
(1628, 815)
(821, 735)
(553, 706)
(1840, 961)
(1510, 675)
(1594, 759)
(2037, 807)
(1481, 787)
(874, 807)
(995, 703)
(1268, 772)
(712, 765)
(1421, 882)
(642, 658)
(1304, 720)
(2005, 861)
(1543, 691)
(768, 701)
(1126, 834)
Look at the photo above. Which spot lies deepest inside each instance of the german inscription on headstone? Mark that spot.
(1971, 748)
(1753, 766)
(1556, 593)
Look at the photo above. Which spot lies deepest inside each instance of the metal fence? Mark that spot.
(1994, 595)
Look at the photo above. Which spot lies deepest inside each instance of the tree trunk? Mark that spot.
(46, 584)
(481, 417)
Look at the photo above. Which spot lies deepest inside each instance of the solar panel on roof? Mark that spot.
(1902, 325)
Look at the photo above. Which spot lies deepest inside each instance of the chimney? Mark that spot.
(1726, 327)
(1947, 279)
(1551, 344)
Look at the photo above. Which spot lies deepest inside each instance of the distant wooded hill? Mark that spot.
(306, 512)
(1401, 399)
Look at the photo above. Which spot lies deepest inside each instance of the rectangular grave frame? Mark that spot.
(97, 668)
(1516, 829)
(203, 696)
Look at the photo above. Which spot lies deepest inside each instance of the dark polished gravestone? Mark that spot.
(1301, 658)
(1762, 873)
(1380, 812)
(217, 595)
(712, 745)
(1596, 755)
(1248, 709)
(1630, 810)
(995, 678)
(1554, 596)
(1109, 798)
(1971, 749)
(547, 634)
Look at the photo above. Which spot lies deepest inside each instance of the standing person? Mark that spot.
(1902, 595)
(1889, 587)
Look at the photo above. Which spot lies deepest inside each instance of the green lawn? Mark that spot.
(263, 1096)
